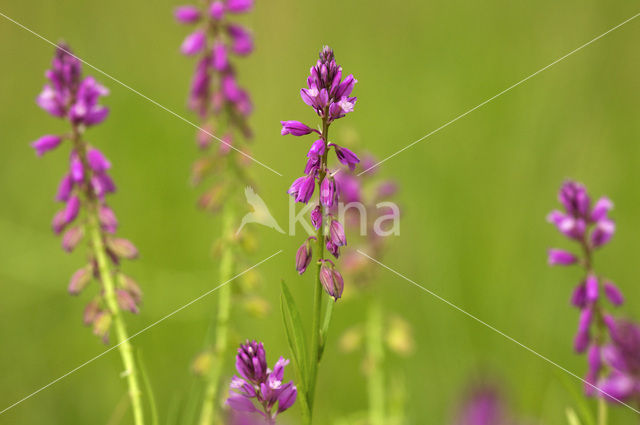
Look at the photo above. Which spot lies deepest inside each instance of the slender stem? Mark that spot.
(602, 411)
(108, 285)
(375, 358)
(122, 337)
(314, 358)
(208, 412)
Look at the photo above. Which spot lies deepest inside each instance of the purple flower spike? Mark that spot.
(46, 143)
(187, 14)
(260, 386)
(295, 128)
(193, 44)
(558, 257)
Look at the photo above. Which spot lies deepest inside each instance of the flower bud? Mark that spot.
(239, 6)
(333, 248)
(242, 42)
(193, 44)
(187, 14)
(79, 280)
(122, 248)
(101, 325)
(603, 232)
(220, 61)
(601, 208)
(331, 280)
(328, 192)
(108, 220)
(216, 10)
(612, 292)
(126, 301)
(72, 237)
(295, 128)
(591, 288)
(97, 161)
(46, 143)
(251, 362)
(558, 257)
(316, 217)
(346, 157)
(64, 189)
(303, 256)
(91, 311)
(336, 233)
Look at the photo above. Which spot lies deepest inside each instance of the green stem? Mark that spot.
(208, 412)
(375, 358)
(602, 411)
(122, 338)
(314, 357)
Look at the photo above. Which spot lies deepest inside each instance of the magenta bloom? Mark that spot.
(260, 389)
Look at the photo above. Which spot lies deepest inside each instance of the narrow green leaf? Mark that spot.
(147, 383)
(295, 334)
(582, 406)
(572, 418)
(328, 312)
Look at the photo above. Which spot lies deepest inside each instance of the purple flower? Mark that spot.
(482, 407)
(302, 188)
(623, 381)
(187, 14)
(346, 157)
(46, 143)
(562, 258)
(328, 192)
(242, 43)
(258, 385)
(220, 62)
(336, 233)
(97, 161)
(216, 10)
(614, 295)
(331, 280)
(193, 44)
(603, 232)
(317, 149)
(304, 256)
(239, 6)
(316, 217)
(295, 128)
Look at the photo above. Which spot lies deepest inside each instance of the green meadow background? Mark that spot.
(474, 196)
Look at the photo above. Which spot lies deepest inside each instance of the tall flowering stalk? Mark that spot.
(223, 107)
(330, 97)
(590, 227)
(260, 389)
(86, 214)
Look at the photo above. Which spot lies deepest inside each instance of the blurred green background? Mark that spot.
(474, 196)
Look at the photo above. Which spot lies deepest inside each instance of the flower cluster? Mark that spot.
(223, 106)
(214, 86)
(330, 96)
(84, 188)
(590, 226)
(622, 356)
(259, 384)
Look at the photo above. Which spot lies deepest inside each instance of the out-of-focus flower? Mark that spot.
(260, 389)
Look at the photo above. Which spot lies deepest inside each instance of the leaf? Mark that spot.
(579, 399)
(325, 327)
(295, 334)
(572, 418)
